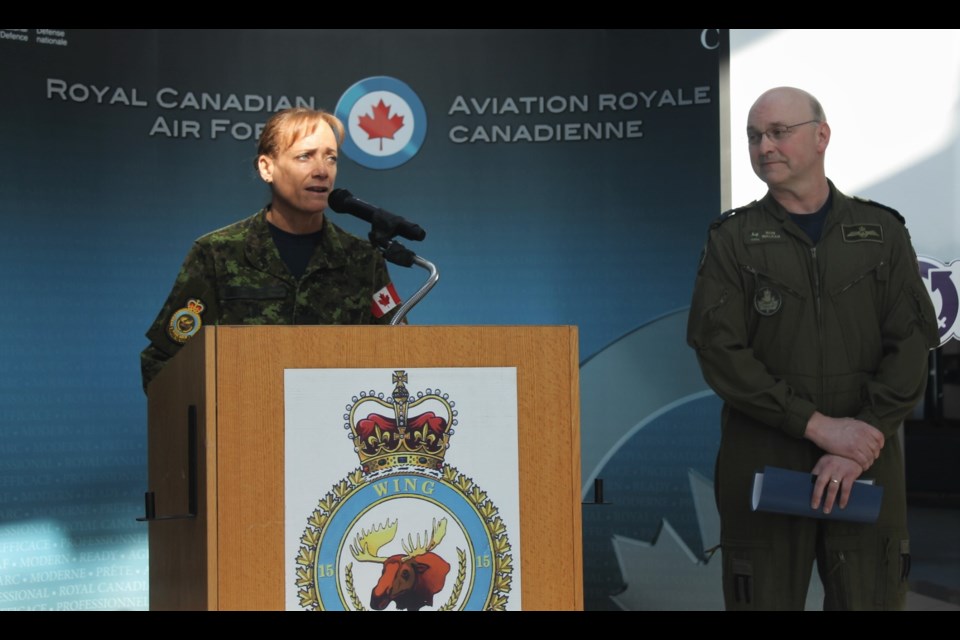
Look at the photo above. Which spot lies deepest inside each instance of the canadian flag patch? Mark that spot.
(384, 300)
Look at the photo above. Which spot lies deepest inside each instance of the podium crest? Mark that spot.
(404, 530)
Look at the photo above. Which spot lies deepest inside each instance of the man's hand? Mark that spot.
(846, 437)
(835, 476)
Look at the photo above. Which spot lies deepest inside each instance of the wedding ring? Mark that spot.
(834, 480)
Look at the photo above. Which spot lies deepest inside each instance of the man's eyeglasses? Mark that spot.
(777, 133)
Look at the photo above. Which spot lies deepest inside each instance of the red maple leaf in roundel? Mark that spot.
(381, 125)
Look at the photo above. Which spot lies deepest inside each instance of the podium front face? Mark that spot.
(229, 383)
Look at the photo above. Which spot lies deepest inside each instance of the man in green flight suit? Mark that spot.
(811, 322)
(287, 263)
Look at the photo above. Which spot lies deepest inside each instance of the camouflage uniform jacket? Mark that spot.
(235, 275)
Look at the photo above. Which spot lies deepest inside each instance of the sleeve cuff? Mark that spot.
(795, 423)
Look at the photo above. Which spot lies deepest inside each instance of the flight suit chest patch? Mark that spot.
(762, 236)
(864, 232)
(767, 301)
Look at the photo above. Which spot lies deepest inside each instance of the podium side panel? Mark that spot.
(182, 551)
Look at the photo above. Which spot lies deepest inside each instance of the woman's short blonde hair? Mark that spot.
(286, 127)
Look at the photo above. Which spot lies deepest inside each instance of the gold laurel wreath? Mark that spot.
(458, 585)
(310, 540)
(354, 599)
(502, 558)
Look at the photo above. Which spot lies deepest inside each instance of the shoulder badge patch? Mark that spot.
(864, 232)
(384, 301)
(186, 322)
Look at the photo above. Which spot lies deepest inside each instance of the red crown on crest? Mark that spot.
(400, 431)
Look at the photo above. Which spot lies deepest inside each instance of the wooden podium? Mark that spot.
(216, 417)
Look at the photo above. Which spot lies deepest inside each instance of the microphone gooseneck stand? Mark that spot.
(421, 292)
(382, 236)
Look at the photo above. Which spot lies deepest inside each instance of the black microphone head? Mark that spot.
(338, 200)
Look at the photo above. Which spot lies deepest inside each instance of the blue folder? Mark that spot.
(789, 492)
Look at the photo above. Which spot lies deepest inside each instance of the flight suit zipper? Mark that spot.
(817, 305)
(860, 277)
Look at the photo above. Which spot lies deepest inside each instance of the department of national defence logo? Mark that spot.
(385, 120)
(943, 285)
(186, 322)
(862, 232)
(767, 301)
(405, 530)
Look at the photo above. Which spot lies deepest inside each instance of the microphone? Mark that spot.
(342, 201)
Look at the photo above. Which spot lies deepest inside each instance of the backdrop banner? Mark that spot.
(562, 177)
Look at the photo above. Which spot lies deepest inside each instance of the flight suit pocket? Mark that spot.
(857, 304)
(709, 298)
(922, 308)
(866, 572)
(773, 307)
(746, 575)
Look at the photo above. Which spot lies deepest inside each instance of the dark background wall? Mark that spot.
(102, 193)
